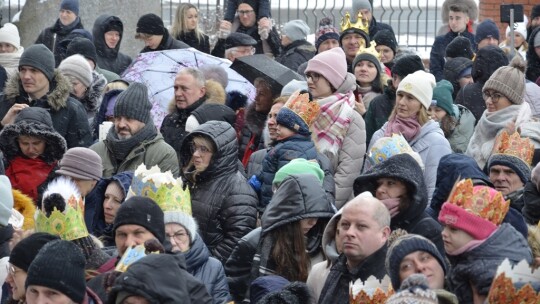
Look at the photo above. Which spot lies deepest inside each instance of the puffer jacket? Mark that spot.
(191, 39)
(161, 279)
(531, 209)
(430, 144)
(296, 53)
(438, 52)
(224, 204)
(414, 219)
(150, 152)
(52, 36)
(298, 197)
(68, 114)
(461, 135)
(479, 265)
(93, 207)
(107, 58)
(296, 146)
(208, 270)
(167, 43)
(532, 91)
(533, 60)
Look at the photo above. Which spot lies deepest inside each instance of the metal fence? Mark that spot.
(415, 22)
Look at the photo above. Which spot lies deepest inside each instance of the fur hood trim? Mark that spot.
(214, 94)
(57, 96)
(26, 207)
(471, 5)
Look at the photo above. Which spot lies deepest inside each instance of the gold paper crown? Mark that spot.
(372, 291)
(370, 50)
(68, 225)
(301, 105)
(503, 290)
(481, 201)
(361, 23)
(514, 145)
(162, 187)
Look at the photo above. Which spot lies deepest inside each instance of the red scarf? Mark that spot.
(408, 127)
(26, 174)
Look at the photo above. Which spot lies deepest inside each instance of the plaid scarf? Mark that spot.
(333, 122)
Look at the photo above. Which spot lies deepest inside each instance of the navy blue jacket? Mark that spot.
(438, 52)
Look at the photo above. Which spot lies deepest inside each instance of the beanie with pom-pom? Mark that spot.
(509, 81)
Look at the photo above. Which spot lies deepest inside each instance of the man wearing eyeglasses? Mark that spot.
(239, 45)
(264, 33)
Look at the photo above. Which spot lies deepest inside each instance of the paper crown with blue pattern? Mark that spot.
(386, 147)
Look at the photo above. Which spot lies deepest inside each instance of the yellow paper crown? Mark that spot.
(503, 290)
(370, 50)
(301, 105)
(481, 201)
(361, 23)
(372, 291)
(68, 225)
(514, 145)
(161, 187)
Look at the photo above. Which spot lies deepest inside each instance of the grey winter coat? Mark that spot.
(223, 203)
(459, 140)
(430, 144)
(151, 152)
(68, 114)
(296, 53)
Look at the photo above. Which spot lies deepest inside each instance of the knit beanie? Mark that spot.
(519, 27)
(76, 66)
(454, 68)
(442, 97)
(35, 115)
(326, 31)
(59, 265)
(360, 5)
(477, 210)
(133, 103)
(419, 84)
(6, 203)
(514, 152)
(144, 212)
(26, 250)
(294, 293)
(414, 290)
(509, 81)
(299, 166)
(84, 47)
(515, 163)
(10, 34)
(70, 5)
(293, 86)
(460, 47)
(387, 38)
(264, 285)
(81, 163)
(150, 24)
(298, 113)
(406, 65)
(367, 57)
(535, 12)
(486, 29)
(405, 245)
(186, 220)
(40, 57)
(332, 64)
(296, 30)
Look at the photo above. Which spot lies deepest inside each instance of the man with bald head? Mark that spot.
(364, 230)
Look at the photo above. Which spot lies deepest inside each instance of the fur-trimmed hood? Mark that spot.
(93, 96)
(56, 97)
(471, 5)
(25, 206)
(215, 93)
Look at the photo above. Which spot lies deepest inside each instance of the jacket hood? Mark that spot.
(225, 159)
(101, 24)
(298, 197)
(197, 255)
(488, 59)
(92, 99)
(533, 60)
(406, 169)
(329, 237)
(159, 278)
(56, 97)
(99, 118)
(472, 7)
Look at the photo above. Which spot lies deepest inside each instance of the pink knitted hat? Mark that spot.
(331, 64)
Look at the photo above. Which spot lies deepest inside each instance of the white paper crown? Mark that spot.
(372, 290)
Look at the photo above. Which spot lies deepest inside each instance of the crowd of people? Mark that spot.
(368, 165)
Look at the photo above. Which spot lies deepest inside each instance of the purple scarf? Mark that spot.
(408, 127)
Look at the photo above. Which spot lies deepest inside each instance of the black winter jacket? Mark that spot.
(296, 53)
(167, 43)
(379, 110)
(191, 39)
(52, 36)
(414, 219)
(68, 114)
(531, 209)
(375, 27)
(438, 52)
(533, 60)
(110, 59)
(224, 204)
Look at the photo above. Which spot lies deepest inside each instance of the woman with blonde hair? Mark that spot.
(186, 28)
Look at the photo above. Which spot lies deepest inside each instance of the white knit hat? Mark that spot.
(419, 84)
(10, 34)
(184, 219)
(77, 66)
(519, 27)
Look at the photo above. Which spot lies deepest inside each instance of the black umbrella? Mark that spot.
(255, 66)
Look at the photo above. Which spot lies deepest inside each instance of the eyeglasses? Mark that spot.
(494, 96)
(202, 149)
(246, 12)
(11, 270)
(314, 76)
(179, 236)
(246, 51)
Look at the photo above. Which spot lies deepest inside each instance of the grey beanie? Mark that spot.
(40, 57)
(133, 103)
(509, 81)
(359, 5)
(296, 30)
(77, 66)
(293, 86)
(184, 219)
(81, 163)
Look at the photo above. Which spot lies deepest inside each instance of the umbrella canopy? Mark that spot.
(157, 71)
(255, 66)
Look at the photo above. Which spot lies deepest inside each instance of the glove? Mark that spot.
(255, 183)
(265, 26)
(224, 29)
